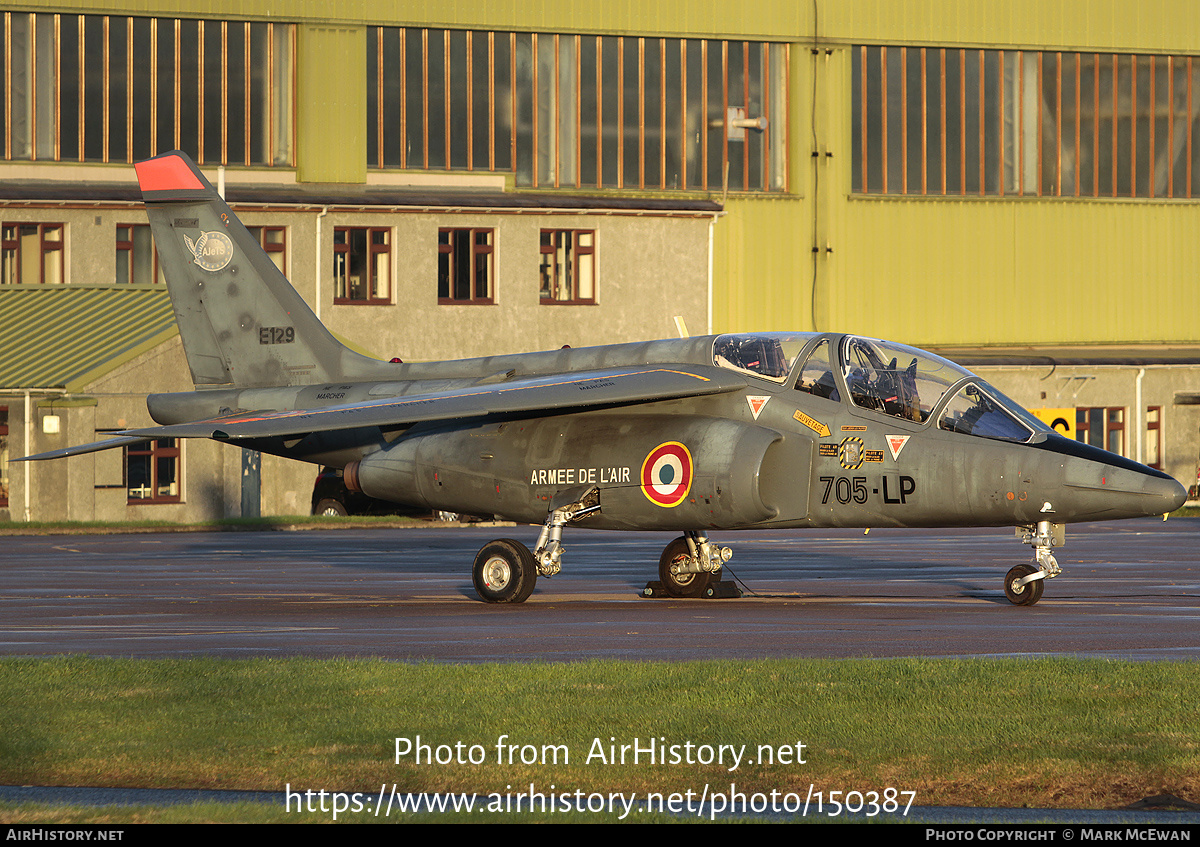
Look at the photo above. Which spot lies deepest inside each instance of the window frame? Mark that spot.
(272, 248)
(372, 250)
(1108, 427)
(575, 256)
(96, 82)
(1022, 122)
(1154, 447)
(562, 110)
(46, 247)
(477, 250)
(156, 274)
(156, 452)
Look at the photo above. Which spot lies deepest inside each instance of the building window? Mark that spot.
(465, 266)
(575, 111)
(137, 259)
(152, 472)
(568, 266)
(362, 265)
(1000, 122)
(117, 88)
(3, 456)
(32, 253)
(273, 241)
(1102, 427)
(1154, 440)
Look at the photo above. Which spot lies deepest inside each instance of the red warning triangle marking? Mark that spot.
(756, 404)
(896, 443)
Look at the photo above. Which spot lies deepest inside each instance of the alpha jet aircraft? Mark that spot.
(691, 435)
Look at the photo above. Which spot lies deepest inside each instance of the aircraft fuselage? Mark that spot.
(767, 455)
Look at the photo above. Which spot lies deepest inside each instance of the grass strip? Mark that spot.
(1041, 733)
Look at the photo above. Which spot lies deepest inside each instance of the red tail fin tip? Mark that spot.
(166, 173)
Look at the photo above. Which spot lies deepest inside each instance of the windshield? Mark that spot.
(896, 379)
(979, 409)
(767, 355)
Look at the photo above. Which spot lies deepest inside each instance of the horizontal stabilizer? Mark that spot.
(558, 392)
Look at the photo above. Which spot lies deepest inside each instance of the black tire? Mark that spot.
(331, 508)
(504, 572)
(1027, 594)
(682, 585)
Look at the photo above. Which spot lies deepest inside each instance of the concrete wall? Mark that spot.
(648, 269)
(1047, 386)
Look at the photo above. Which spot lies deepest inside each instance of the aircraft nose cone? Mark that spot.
(1159, 493)
(1171, 494)
(1108, 486)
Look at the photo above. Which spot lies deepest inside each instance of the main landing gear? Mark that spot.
(691, 563)
(505, 570)
(1023, 584)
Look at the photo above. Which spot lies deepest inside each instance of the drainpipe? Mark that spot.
(711, 224)
(28, 451)
(1139, 414)
(317, 266)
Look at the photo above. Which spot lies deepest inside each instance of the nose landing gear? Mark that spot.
(1023, 584)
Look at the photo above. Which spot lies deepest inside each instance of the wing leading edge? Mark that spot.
(554, 393)
(80, 449)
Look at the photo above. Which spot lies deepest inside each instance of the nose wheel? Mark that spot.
(1019, 590)
(1023, 584)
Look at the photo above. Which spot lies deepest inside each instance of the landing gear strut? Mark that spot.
(505, 570)
(1023, 584)
(690, 563)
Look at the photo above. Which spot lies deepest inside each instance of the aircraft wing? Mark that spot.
(558, 392)
(80, 449)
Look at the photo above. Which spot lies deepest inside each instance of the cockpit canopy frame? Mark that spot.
(880, 376)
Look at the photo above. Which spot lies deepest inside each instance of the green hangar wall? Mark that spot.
(1065, 130)
(1014, 184)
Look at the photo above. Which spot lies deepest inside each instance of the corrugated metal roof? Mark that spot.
(65, 336)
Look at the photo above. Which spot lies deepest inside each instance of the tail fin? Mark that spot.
(242, 323)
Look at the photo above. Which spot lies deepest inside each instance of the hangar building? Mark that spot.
(1013, 185)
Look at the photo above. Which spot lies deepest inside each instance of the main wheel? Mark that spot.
(684, 584)
(504, 572)
(1023, 595)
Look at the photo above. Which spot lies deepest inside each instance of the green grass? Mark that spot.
(64, 814)
(1041, 733)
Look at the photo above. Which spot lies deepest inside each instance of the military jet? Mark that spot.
(691, 435)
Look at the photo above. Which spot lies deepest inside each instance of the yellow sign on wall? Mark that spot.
(1061, 421)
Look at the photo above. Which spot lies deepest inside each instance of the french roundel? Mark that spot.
(667, 474)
